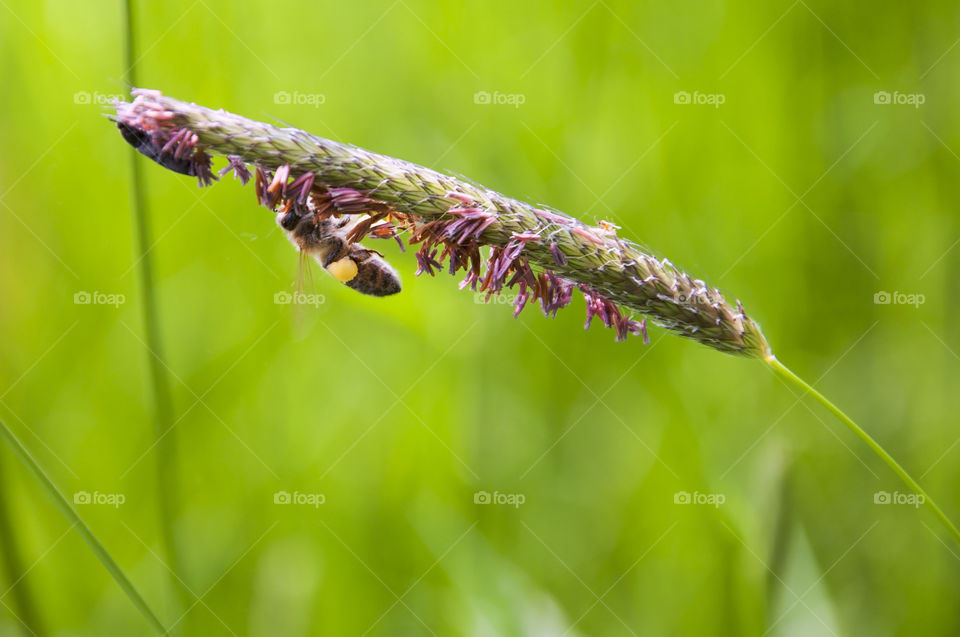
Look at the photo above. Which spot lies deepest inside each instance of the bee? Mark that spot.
(141, 140)
(366, 271)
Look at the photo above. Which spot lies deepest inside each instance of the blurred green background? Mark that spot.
(803, 194)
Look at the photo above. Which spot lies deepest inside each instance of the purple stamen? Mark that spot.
(239, 168)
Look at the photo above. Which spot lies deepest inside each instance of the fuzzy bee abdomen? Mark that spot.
(375, 277)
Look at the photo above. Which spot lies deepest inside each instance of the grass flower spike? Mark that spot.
(543, 254)
(331, 196)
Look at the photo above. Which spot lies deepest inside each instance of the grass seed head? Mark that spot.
(498, 242)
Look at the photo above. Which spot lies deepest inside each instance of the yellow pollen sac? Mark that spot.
(343, 270)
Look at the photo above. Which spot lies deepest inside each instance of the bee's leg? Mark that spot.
(338, 262)
(332, 248)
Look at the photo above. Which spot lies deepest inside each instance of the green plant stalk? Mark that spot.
(166, 459)
(13, 565)
(785, 373)
(780, 542)
(68, 512)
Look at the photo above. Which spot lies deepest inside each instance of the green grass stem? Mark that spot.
(68, 512)
(785, 373)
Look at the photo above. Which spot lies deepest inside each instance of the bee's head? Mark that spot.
(304, 231)
(288, 220)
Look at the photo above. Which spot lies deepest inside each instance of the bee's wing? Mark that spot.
(304, 315)
(304, 274)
